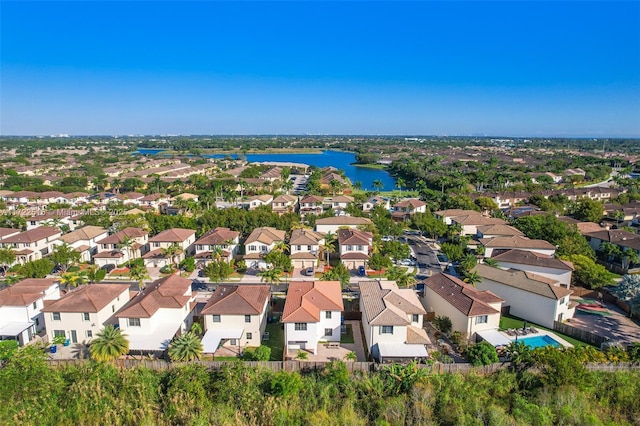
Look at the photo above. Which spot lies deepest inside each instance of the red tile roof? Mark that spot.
(464, 297)
(88, 298)
(306, 299)
(238, 300)
(171, 292)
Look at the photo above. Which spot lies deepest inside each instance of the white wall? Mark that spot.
(309, 336)
(256, 327)
(548, 252)
(564, 277)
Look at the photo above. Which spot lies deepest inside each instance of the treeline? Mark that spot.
(561, 391)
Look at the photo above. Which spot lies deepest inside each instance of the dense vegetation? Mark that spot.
(562, 392)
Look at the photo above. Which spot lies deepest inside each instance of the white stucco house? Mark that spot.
(392, 320)
(529, 296)
(155, 315)
(85, 240)
(181, 238)
(221, 242)
(125, 245)
(497, 245)
(83, 312)
(33, 244)
(260, 242)
(235, 317)
(21, 305)
(332, 224)
(312, 314)
(304, 246)
(540, 264)
(470, 310)
(354, 247)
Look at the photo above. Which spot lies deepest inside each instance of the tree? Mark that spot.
(486, 204)
(588, 273)
(37, 268)
(338, 273)
(187, 347)
(472, 278)
(628, 290)
(95, 274)
(588, 210)
(429, 224)
(139, 273)
(377, 185)
(261, 353)
(173, 251)
(453, 251)
(279, 260)
(468, 262)
(329, 244)
(72, 279)
(109, 344)
(443, 324)
(400, 276)
(378, 261)
(400, 183)
(483, 353)
(270, 276)
(7, 257)
(218, 270)
(351, 356)
(65, 256)
(396, 250)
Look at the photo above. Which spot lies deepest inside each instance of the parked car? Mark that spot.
(109, 267)
(361, 271)
(309, 272)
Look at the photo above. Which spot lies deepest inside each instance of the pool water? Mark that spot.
(539, 341)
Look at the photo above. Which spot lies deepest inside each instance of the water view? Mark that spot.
(338, 159)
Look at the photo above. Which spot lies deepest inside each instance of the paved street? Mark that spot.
(427, 260)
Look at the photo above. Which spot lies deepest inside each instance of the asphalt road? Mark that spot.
(427, 260)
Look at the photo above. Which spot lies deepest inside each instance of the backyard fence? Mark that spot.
(577, 333)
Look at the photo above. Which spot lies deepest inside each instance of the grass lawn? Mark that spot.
(348, 337)
(276, 340)
(226, 358)
(514, 322)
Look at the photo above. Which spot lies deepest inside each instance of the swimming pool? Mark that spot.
(539, 341)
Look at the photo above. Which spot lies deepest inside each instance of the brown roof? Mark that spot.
(170, 292)
(25, 292)
(534, 259)
(85, 233)
(285, 198)
(516, 242)
(354, 255)
(456, 212)
(617, 236)
(354, 237)
(312, 199)
(344, 221)
(523, 280)
(411, 203)
(5, 232)
(499, 229)
(87, 298)
(32, 235)
(173, 235)
(266, 235)
(305, 237)
(417, 336)
(218, 236)
(475, 219)
(586, 227)
(118, 237)
(238, 300)
(385, 304)
(462, 296)
(306, 299)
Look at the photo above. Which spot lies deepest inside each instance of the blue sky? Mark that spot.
(430, 68)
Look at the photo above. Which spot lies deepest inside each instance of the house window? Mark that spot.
(113, 308)
(360, 248)
(327, 315)
(482, 319)
(216, 318)
(85, 316)
(247, 318)
(386, 329)
(57, 333)
(301, 326)
(156, 244)
(309, 248)
(328, 331)
(34, 305)
(55, 316)
(298, 248)
(349, 248)
(134, 322)
(37, 322)
(415, 318)
(252, 248)
(562, 301)
(232, 342)
(249, 336)
(88, 334)
(199, 247)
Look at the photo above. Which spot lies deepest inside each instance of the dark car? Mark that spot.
(199, 285)
(361, 271)
(109, 267)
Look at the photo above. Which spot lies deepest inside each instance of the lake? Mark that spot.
(338, 159)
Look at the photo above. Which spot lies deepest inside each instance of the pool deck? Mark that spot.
(538, 334)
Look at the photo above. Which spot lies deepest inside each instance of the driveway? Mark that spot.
(613, 323)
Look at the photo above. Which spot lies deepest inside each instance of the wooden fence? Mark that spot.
(577, 333)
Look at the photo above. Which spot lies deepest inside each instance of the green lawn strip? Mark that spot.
(348, 337)
(276, 340)
(514, 322)
(226, 358)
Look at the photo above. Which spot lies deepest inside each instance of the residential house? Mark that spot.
(155, 315)
(154, 200)
(33, 244)
(182, 239)
(540, 264)
(374, 201)
(304, 246)
(497, 245)
(354, 247)
(284, 203)
(218, 242)
(312, 314)
(625, 240)
(21, 307)
(129, 198)
(311, 204)
(332, 224)
(392, 320)
(529, 296)
(447, 215)
(235, 317)
(470, 310)
(259, 200)
(83, 312)
(85, 240)
(125, 245)
(470, 223)
(497, 230)
(405, 209)
(6, 233)
(337, 203)
(260, 242)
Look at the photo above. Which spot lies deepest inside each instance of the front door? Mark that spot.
(74, 337)
(560, 315)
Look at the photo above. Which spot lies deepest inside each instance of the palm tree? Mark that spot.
(271, 276)
(7, 257)
(468, 262)
(116, 184)
(95, 274)
(473, 278)
(281, 246)
(187, 347)
(400, 183)
(351, 356)
(302, 356)
(109, 344)
(629, 257)
(329, 247)
(65, 256)
(377, 185)
(490, 262)
(139, 273)
(72, 279)
(172, 252)
(127, 244)
(335, 185)
(357, 185)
